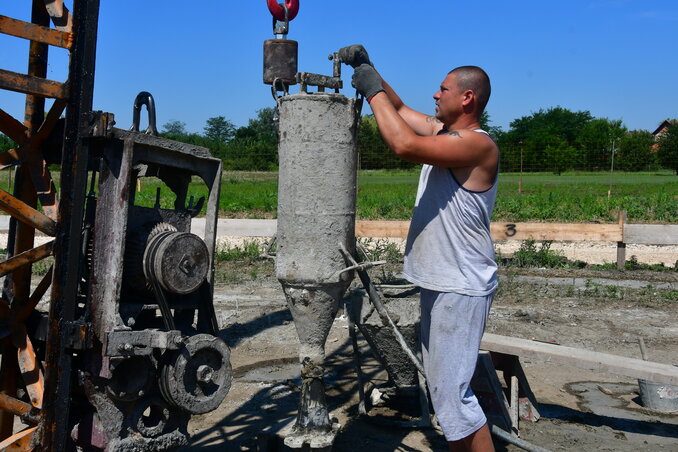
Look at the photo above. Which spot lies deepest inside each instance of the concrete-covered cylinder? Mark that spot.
(316, 217)
(317, 187)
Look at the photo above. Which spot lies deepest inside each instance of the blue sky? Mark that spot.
(614, 58)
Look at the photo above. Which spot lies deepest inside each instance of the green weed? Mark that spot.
(570, 291)
(248, 252)
(633, 264)
(542, 256)
(379, 250)
(41, 268)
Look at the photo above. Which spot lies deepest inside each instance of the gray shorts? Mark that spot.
(452, 326)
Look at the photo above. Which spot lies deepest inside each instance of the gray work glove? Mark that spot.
(366, 80)
(354, 55)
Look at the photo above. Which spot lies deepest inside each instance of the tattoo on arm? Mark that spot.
(455, 133)
(432, 119)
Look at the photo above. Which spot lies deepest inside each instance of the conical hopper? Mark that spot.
(405, 313)
(316, 216)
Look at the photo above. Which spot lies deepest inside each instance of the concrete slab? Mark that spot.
(232, 227)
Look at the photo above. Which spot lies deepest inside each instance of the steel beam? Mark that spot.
(12, 128)
(28, 84)
(27, 257)
(33, 32)
(27, 214)
(55, 415)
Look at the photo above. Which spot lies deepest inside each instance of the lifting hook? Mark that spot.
(144, 98)
(278, 12)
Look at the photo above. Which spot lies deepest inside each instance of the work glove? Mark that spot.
(354, 55)
(366, 80)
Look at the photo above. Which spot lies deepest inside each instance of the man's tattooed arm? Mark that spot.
(432, 119)
(455, 133)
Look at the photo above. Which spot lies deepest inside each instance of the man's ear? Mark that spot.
(468, 97)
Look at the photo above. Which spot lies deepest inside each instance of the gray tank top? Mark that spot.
(449, 248)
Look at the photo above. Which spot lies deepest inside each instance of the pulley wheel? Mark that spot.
(152, 417)
(178, 261)
(197, 377)
(133, 278)
(132, 379)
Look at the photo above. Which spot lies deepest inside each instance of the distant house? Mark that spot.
(663, 126)
(659, 131)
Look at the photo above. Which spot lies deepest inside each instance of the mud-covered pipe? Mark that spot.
(506, 436)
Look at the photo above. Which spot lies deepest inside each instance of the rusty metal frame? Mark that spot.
(122, 150)
(84, 317)
(54, 420)
(51, 24)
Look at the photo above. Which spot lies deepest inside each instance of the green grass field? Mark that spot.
(570, 197)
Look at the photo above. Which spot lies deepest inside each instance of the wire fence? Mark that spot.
(516, 157)
(604, 156)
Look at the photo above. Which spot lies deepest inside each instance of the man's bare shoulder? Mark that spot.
(473, 142)
(434, 125)
(474, 136)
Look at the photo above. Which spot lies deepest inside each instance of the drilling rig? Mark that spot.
(116, 345)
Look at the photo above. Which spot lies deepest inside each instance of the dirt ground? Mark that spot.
(604, 311)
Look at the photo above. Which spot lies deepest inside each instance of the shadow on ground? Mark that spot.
(272, 405)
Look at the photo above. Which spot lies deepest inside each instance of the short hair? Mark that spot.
(475, 79)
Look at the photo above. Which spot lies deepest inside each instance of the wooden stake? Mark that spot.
(621, 245)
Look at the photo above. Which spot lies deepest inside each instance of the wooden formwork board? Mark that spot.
(382, 228)
(557, 231)
(509, 231)
(584, 359)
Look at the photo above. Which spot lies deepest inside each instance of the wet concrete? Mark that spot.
(617, 405)
(582, 283)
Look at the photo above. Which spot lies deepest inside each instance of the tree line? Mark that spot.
(553, 140)
(253, 147)
(558, 140)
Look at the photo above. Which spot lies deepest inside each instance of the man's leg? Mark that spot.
(478, 441)
(456, 327)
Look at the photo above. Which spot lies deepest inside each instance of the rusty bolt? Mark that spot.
(204, 374)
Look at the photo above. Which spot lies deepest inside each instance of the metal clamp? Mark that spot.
(141, 343)
(306, 79)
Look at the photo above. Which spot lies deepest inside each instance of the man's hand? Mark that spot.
(354, 55)
(366, 80)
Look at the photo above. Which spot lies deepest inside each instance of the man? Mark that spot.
(449, 252)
